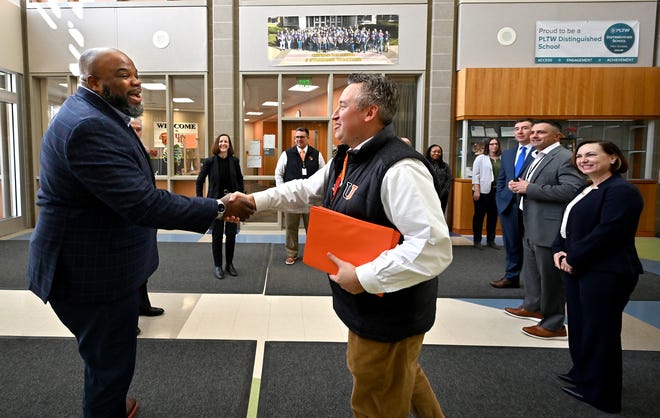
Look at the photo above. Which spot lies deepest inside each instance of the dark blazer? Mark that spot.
(210, 169)
(504, 197)
(95, 239)
(601, 228)
(554, 182)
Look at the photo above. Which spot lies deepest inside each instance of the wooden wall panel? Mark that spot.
(563, 93)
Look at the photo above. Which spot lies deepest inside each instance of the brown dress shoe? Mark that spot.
(538, 331)
(505, 284)
(523, 313)
(131, 407)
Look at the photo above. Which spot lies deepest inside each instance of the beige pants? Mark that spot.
(388, 380)
(292, 223)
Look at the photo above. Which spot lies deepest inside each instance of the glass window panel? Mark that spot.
(188, 113)
(10, 171)
(631, 136)
(154, 121)
(4, 81)
(304, 96)
(57, 89)
(405, 119)
(260, 128)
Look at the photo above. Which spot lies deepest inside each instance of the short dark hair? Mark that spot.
(530, 120)
(620, 166)
(554, 123)
(377, 90)
(303, 129)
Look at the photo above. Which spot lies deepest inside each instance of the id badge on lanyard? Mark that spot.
(304, 171)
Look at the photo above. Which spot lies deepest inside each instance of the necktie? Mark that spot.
(521, 161)
(302, 155)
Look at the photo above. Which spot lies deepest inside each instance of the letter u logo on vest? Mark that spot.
(350, 190)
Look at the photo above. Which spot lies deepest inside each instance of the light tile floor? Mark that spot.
(307, 318)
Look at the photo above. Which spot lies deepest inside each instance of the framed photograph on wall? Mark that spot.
(307, 40)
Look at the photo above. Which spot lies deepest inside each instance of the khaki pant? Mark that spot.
(388, 380)
(292, 224)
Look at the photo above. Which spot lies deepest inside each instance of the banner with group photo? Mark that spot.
(587, 42)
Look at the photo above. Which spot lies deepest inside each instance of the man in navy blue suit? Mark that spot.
(94, 244)
(513, 162)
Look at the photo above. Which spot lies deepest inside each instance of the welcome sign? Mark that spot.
(587, 42)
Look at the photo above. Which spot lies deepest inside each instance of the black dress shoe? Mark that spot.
(505, 284)
(566, 378)
(231, 270)
(492, 245)
(152, 311)
(219, 274)
(573, 393)
(610, 409)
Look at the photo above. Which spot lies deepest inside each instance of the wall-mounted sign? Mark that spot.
(185, 134)
(587, 42)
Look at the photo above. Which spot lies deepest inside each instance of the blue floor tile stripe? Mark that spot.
(646, 311)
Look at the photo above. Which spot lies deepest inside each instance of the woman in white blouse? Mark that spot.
(485, 169)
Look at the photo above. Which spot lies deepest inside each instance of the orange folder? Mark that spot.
(350, 239)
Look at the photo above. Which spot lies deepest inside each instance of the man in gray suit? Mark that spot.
(548, 184)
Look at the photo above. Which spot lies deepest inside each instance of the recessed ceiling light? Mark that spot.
(254, 113)
(269, 103)
(182, 100)
(303, 88)
(154, 86)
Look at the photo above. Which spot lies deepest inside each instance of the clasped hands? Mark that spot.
(560, 262)
(238, 207)
(518, 186)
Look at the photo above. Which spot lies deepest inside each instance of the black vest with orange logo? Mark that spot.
(396, 315)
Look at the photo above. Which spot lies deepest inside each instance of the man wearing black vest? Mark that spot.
(298, 162)
(387, 304)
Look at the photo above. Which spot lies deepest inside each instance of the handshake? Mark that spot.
(238, 206)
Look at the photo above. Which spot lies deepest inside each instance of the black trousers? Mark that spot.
(595, 303)
(220, 228)
(484, 207)
(107, 341)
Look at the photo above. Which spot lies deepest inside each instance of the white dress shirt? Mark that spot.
(410, 203)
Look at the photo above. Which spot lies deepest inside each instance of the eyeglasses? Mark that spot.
(300, 137)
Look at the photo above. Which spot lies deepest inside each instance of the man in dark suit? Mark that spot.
(94, 244)
(297, 162)
(513, 163)
(548, 184)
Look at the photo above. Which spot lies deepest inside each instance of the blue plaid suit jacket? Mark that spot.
(95, 239)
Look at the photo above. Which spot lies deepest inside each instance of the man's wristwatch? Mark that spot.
(221, 208)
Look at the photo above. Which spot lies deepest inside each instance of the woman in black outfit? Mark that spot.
(441, 172)
(595, 250)
(225, 176)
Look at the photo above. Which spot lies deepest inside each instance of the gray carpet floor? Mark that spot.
(302, 379)
(188, 268)
(43, 377)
